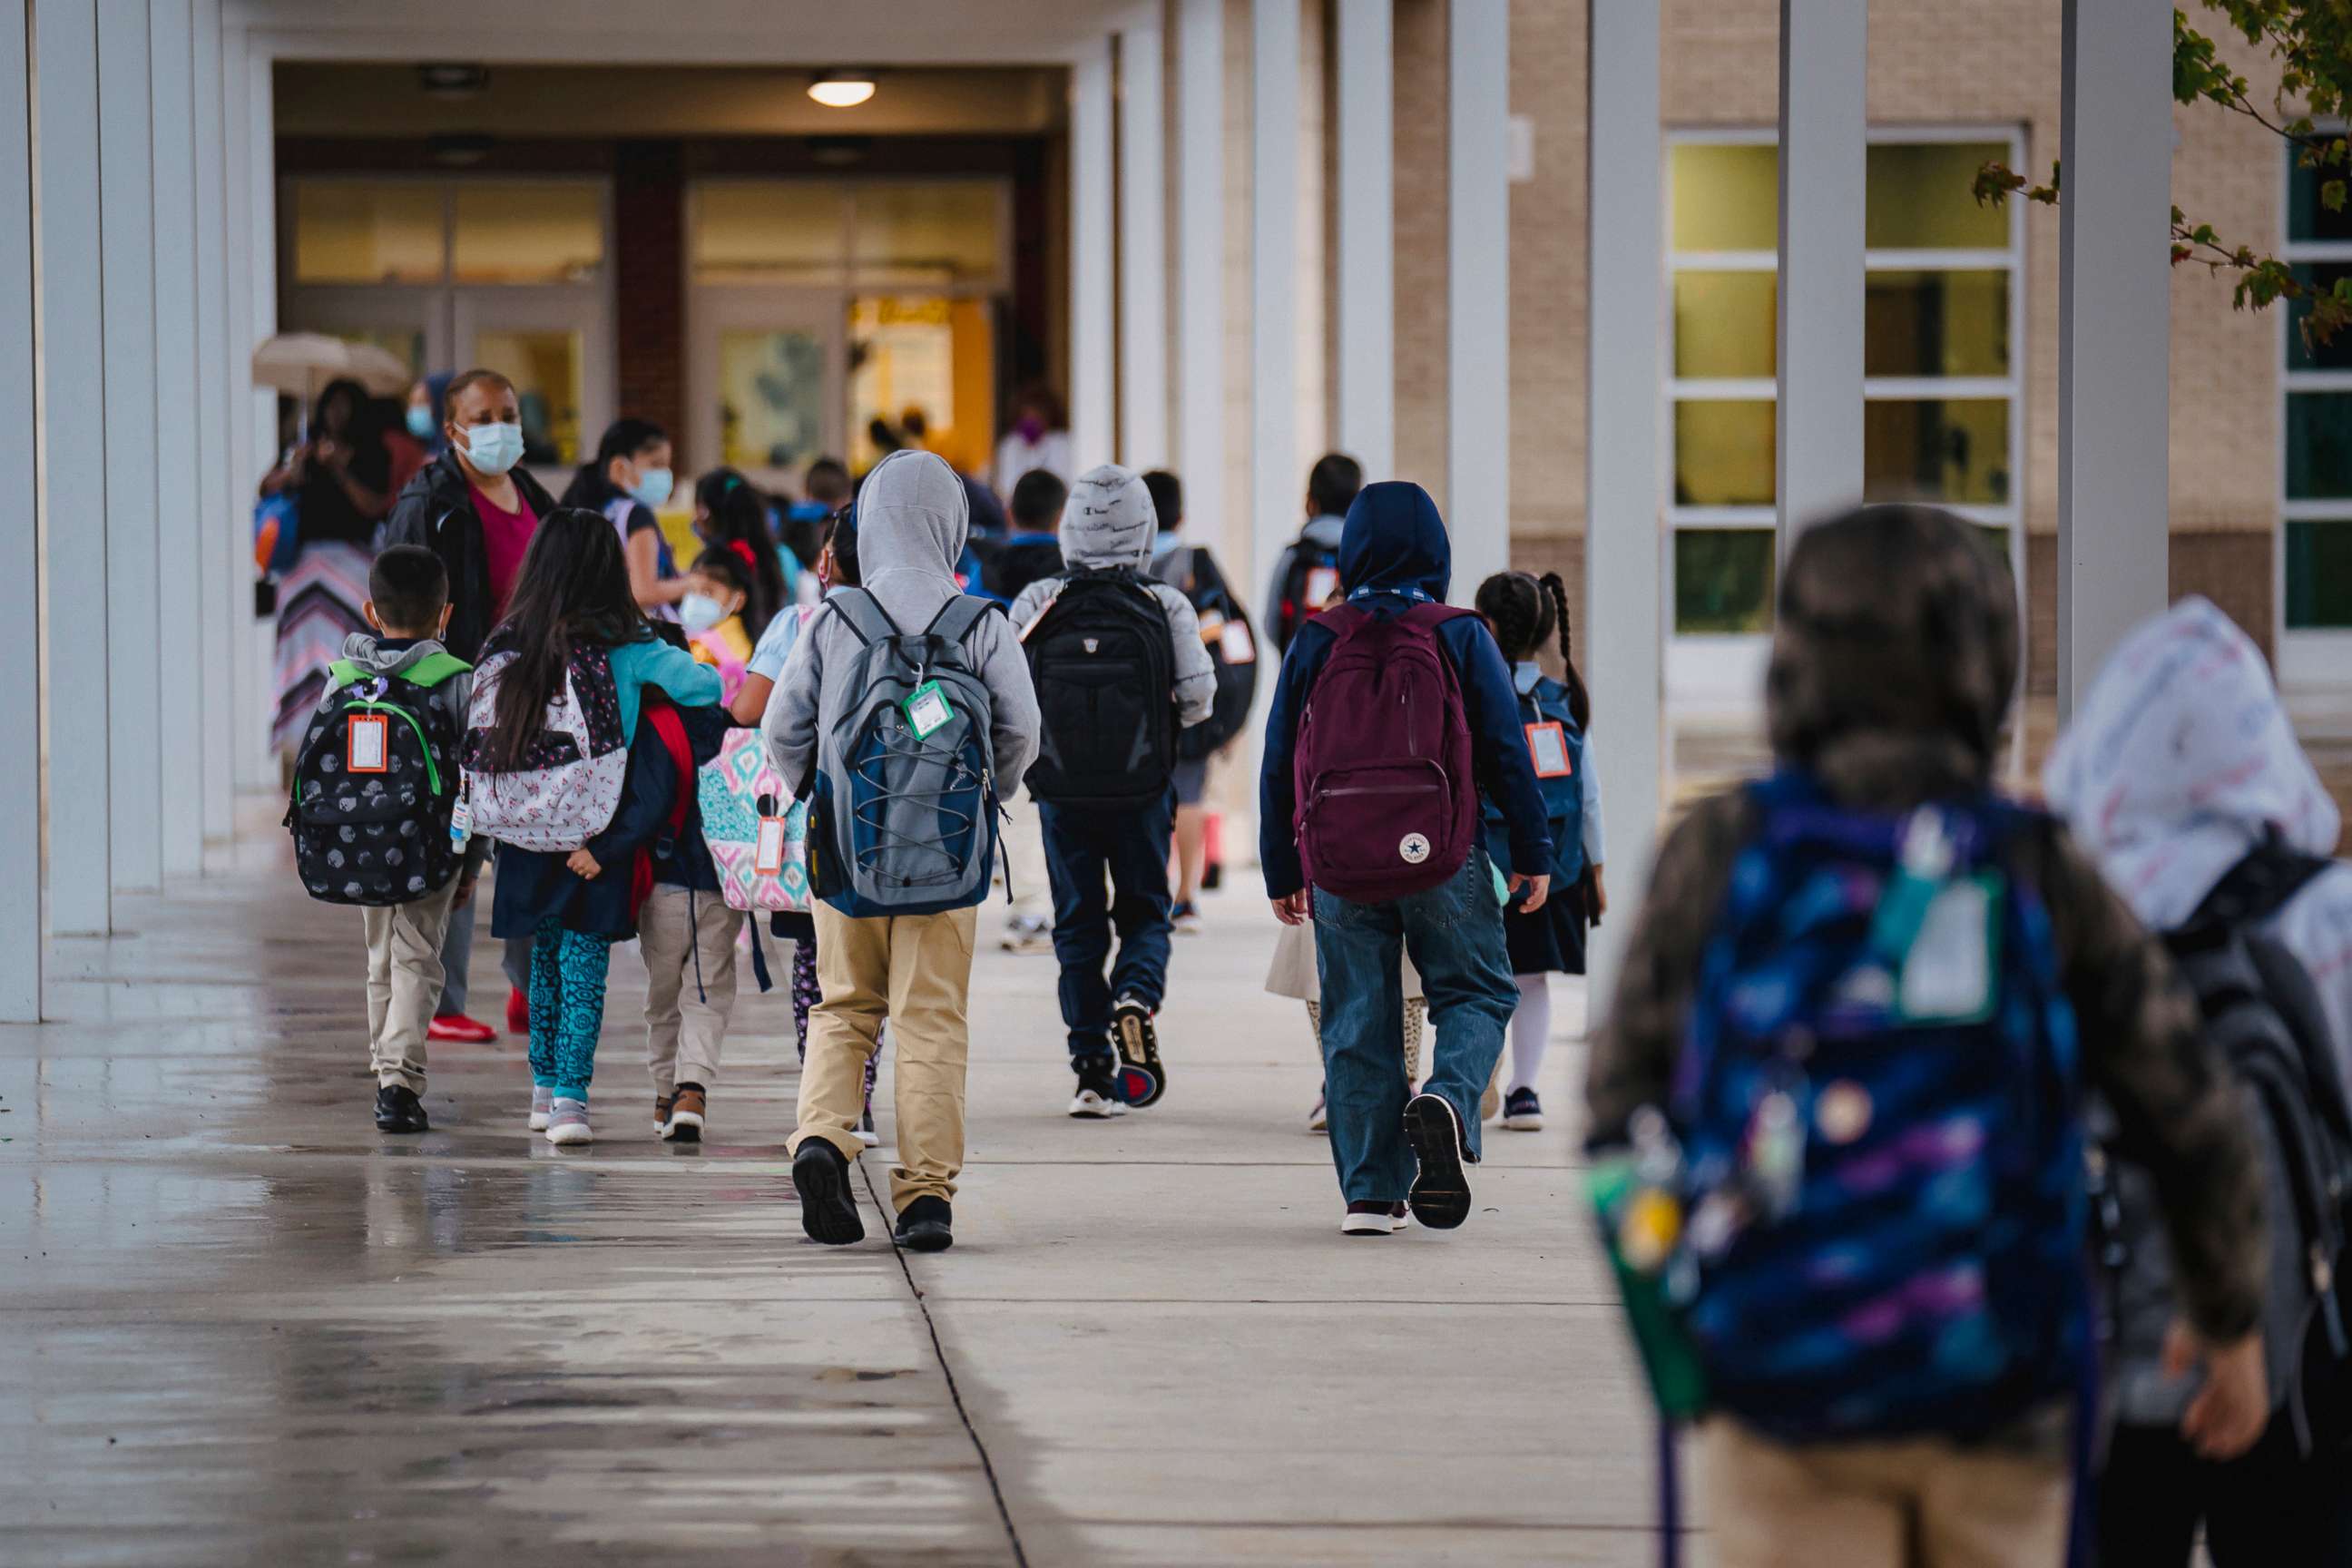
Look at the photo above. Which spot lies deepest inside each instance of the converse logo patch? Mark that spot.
(1413, 849)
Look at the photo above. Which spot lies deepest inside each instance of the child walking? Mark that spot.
(902, 703)
(1524, 612)
(1858, 1013)
(1393, 714)
(375, 781)
(554, 716)
(686, 929)
(1119, 666)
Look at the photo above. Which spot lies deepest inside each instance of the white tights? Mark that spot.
(1530, 1029)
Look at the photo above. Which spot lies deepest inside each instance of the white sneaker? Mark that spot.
(542, 1100)
(1318, 1120)
(866, 1133)
(1092, 1103)
(1367, 1220)
(567, 1123)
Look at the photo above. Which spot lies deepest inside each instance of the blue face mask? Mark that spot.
(701, 612)
(653, 487)
(420, 422)
(493, 449)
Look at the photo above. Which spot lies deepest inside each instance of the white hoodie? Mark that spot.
(2178, 759)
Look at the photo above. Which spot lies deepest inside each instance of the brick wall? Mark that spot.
(2230, 566)
(649, 279)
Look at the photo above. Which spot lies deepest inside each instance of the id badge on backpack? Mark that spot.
(367, 743)
(1548, 744)
(926, 709)
(768, 849)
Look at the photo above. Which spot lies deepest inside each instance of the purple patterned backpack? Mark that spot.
(570, 783)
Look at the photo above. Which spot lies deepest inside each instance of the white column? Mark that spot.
(1478, 291)
(245, 99)
(1094, 327)
(1278, 478)
(1366, 270)
(226, 573)
(1142, 251)
(73, 466)
(261, 271)
(1201, 270)
(20, 626)
(1623, 591)
(2114, 307)
(179, 495)
(127, 285)
(1824, 139)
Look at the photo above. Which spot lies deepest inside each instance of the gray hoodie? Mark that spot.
(365, 650)
(1109, 521)
(912, 522)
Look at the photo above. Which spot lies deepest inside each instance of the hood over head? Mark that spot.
(1394, 542)
(2180, 760)
(1108, 520)
(1895, 655)
(912, 516)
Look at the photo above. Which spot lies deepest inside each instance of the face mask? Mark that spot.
(493, 449)
(652, 487)
(701, 612)
(1031, 427)
(420, 421)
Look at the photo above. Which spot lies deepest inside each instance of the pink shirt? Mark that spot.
(505, 535)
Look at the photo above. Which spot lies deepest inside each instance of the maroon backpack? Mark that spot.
(1386, 805)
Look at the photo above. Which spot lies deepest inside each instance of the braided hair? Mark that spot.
(1525, 611)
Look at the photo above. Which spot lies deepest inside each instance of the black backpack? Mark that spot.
(1193, 572)
(2263, 1019)
(1105, 673)
(1298, 606)
(374, 783)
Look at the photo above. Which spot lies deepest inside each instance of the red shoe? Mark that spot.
(459, 1027)
(518, 1013)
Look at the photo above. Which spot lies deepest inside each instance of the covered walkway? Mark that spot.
(245, 1328)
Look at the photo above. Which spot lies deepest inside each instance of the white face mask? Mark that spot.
(652, 487)
(701, 612)
(493, 449)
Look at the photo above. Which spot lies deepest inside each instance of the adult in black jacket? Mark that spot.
(442, 508)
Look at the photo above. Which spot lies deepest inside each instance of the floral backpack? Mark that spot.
(568, 784)
(758, 833)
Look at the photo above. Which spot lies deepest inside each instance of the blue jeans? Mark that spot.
(1454, 933)
(1128, 844)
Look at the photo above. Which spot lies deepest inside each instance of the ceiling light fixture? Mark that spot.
(842, 88)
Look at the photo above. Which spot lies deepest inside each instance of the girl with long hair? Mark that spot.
(738, 525)
(572, 596)
(628, 480)
(1524, 612)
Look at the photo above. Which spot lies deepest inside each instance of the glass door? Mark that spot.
(553, 344)
(768, 366)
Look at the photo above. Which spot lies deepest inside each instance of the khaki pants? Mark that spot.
(1921, 1503)
(686, 1023)
(915, 971)
(404, 983)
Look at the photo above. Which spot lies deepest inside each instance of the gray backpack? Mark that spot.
(903, 818)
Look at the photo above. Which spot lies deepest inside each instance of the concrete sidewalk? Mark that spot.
(245, 1328)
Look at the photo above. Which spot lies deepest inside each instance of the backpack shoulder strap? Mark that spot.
(959, 616)
(433, 669)
(342, 672)
(864, 614)
(2259, 885)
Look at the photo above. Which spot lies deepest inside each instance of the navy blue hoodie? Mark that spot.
(1393, 554)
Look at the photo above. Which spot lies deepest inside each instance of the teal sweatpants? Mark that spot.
(567, 1008)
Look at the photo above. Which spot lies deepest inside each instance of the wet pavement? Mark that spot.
(244, 1328)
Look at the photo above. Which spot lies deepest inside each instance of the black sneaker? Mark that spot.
(1098, 1099)
(828, 1213)
(1142, 1079)
(1522, 1111)
(397, 1110)
(1440, 1198)
(926, 1224)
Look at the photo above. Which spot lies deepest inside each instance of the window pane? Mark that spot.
(366, 231)
(2319, 446)
(1951, 450)
(929, 235)
(1727, 195)
(536, 232)
(770, 397)
(1921, 198)
(2318, 576)
(928, 359)
(1723, 323)
(778, 231)
(1722, 581)
(2305, 217)
(1936, 323)
(545, 368)
(1723, 454)
(2336, 355)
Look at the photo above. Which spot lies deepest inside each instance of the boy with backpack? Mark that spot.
(1395, 711)
(903, 707)
(374, 785)
(1306, 574)
(1117, 664)
(2181, 777)
(686, 927)
(1836, 1109)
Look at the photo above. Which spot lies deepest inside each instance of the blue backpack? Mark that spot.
(1879, 1108)
(1563, 792)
